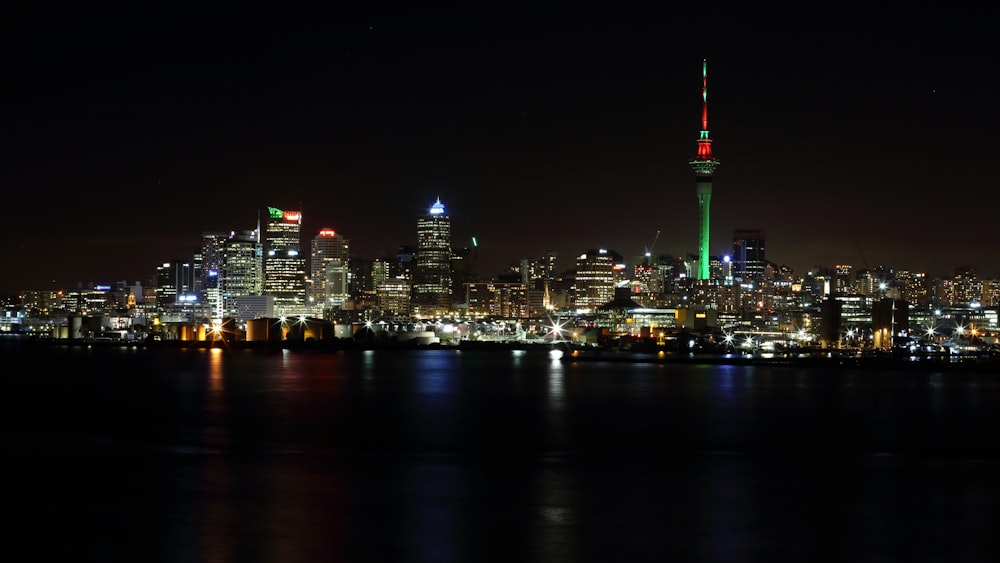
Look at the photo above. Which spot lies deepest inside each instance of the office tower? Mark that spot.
(539, 268)
(843, 282)
(402, 265)
(431, 293)
(242, 265)
(174, 282)
(595, 278)
(328, 269)
(364, 278)
(748, 254)
(537, 275)
(704, 165)
(393, 297)
(463, 272)
(210, 271)
(284, 264)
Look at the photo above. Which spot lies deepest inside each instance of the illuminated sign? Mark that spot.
(293, 216)
(327, 233)
(437, 208)
(274, 212)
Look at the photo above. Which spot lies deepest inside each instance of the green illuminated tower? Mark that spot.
(704, 166)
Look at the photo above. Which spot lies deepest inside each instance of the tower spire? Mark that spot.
(704, 165)
(704, 143)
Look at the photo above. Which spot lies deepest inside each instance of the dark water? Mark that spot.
(439, 455)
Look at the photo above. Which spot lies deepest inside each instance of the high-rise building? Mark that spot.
(748, 254)
(284, 263)
(537, 275)
(393, 297)
(242, 265)
(209, 270)
(365, 277)
(175, 282)
(704, 165)
(329, 270)
(596, 276)
(431, 293)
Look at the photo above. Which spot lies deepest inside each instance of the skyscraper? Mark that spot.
(174, 281)
(432, 276)
(748, 254)
(595, 277)
(242, 267)
(210, 271)
(328, 268)
(704, 165)
(284, 264)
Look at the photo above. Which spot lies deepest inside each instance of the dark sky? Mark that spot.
(864, 135)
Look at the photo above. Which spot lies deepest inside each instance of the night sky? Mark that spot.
(864, 135)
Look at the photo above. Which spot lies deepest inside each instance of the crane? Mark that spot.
(649, 249)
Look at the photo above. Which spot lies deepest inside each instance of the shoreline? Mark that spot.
(565, 352)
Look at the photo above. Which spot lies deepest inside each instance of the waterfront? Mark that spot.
(186, 454)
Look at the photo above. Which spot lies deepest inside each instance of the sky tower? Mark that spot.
(703, 165)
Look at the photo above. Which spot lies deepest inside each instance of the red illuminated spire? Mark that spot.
(704, 143)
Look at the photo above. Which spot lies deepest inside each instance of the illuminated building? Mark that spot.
(393, 297)
(596, 274)
(704, 165)
(505, 300)
(431, 293)
(284, 264)
(843, 279)
(174, 282)
(208, 263)
(537, 275)
(242, 267)
(329, 269)
(748, 254)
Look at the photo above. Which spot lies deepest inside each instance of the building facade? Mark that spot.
(284, 263)
(748, 260)
(596, 277)
(329, 269)
(431, 294)
(242, 266)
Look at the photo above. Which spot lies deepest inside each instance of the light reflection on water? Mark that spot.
(436, 373)
(420, 455)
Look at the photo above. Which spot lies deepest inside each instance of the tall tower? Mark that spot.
(704, 165)
(329, 270)
(284, 265)
(242, 267)
(432, 277)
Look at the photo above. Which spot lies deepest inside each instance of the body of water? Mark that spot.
(132, 454)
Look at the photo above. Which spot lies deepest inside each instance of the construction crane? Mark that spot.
(649, 249)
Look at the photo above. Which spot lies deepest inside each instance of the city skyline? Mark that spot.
(848, 135)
